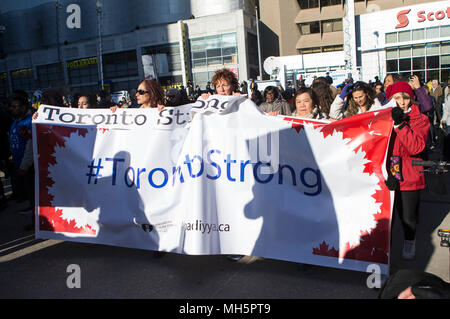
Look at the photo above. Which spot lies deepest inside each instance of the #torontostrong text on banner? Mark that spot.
(216, 177)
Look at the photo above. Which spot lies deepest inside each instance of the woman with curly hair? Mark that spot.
(360, 98)
(225, 83)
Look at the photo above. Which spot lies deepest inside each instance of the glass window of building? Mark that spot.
(432, 49)
(404, 64)
(252, 47)
(445, 61)
(445, 31)
(432, 33)
(22, 79)
(332, 48)
(391, 37)
(202, 78)
(418, 50)
(433, 62)
(332, 25)
(310, 50)
(404, 52)
(326, 3)
(391, 53)
(445, 74)
(309, 27)
(120, 65)
(391, 66)
(219, 50)
(418, 34)
(83, 71)
(92, 89)
(125, 85)
(171, 52)
(445, 48)
(404, 36)
(419, 63)
(308, 4)
(428, 61)
(50, 75)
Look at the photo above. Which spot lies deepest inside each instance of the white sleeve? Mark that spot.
(446, 107)
(337, 108)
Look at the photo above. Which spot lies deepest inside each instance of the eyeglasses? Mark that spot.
(141, 92)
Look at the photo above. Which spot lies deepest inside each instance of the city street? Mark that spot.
(31, 268)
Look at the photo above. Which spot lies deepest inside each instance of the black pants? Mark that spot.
(24, 184)
(406, 204)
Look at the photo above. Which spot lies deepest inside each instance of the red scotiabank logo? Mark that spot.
(422, 16)
(402, 19)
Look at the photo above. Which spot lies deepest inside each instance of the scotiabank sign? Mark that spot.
(420, 16)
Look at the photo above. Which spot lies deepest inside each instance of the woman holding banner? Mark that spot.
(225, 83)
(409, 137)
(86, 101)
(360, 98)
(307, 104)
(149, 94)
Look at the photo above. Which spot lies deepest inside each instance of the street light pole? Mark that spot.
(58, 6)
(259, 45)
(100, 49)
(377, 35)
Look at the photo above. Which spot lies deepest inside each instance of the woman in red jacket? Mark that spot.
(410, 134)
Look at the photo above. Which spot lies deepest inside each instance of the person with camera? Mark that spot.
(360, 98)
(409, 137)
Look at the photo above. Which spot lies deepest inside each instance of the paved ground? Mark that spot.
(31, 268)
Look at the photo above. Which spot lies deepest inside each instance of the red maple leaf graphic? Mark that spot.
(48, 137)
(368, 132)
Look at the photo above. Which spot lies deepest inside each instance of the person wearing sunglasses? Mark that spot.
(355, 98)
(149, 94)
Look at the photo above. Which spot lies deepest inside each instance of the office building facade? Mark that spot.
(321, 28)
(82, 47)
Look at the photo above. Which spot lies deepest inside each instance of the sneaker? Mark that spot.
(235, 257)
(409, 249)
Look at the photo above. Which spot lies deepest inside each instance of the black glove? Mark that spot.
(391, 183)
(398, 115)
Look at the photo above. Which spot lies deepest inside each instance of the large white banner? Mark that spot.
(216, 177)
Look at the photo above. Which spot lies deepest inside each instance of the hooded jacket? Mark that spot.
(409, 141)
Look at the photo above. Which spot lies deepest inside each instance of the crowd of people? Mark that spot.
(420, 113)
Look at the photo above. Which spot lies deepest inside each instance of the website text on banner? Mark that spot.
(216, 177)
